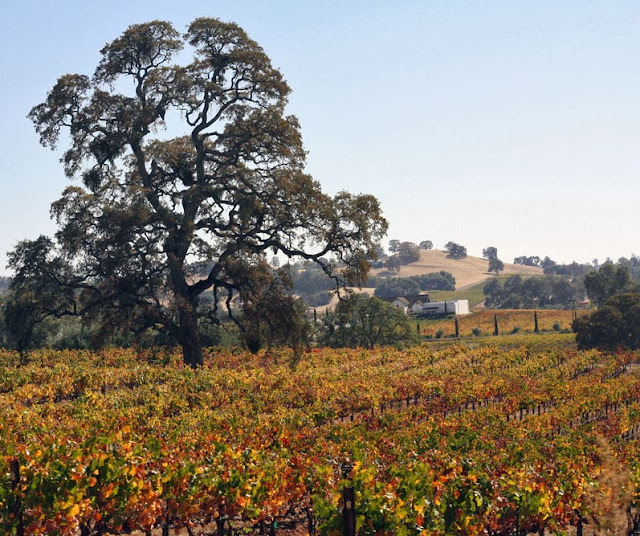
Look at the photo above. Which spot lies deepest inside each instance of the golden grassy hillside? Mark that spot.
(468, 271)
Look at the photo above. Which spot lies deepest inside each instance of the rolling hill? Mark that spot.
(468, 271)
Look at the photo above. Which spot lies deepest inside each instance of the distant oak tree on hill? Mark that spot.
(528, 261)
(495, 264)
(455, 251)
(182, 163)
(408, 252)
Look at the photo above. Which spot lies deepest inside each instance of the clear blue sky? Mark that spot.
(506, 124)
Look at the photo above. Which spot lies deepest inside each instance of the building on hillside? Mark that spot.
(452, 307)
(401, 303)
(421, 305)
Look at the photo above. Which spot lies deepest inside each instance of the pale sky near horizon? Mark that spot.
(506, 124)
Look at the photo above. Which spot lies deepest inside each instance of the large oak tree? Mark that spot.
(185, 158)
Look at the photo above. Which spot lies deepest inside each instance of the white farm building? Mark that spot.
(421, 306)
(453, 307)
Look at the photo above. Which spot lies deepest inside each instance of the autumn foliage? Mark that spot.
(463, 440)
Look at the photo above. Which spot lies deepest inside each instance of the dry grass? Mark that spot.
(468, 271)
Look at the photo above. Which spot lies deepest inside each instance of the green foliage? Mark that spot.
(317, 299)
(573, 270)
(408, 252)
(394, 287)
(68, 334)
(225, 194)
(615, 325)
(410, 286)
(36, 291)
(393, 264)
(548, 265)
(514, 292)
(5, 336)
(426, 245)
(496, 265)
(455, 251)
(367, 322)
(490, 253)
(436, 281)
(606, 282)
(528, 261)
(404, 253)
(633, 265)
(270, 314)
(311, 283)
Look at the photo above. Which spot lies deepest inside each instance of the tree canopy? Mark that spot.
(609, 280)
(367, 322)
(495, 264)
(182, 163)
(490, 252)
(408, 286)
(615, 325)
(533, 292)
(408, 252)
(455, 251)
(528, 261)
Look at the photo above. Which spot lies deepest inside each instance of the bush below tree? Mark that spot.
(615, 325)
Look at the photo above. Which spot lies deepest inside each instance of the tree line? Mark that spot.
(563, 286)
(392, 287)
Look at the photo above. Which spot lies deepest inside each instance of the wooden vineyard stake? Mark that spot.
(17, 508)
(348, 497)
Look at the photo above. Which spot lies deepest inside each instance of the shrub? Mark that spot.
(616, 325)
(317, 299)
(476, 332)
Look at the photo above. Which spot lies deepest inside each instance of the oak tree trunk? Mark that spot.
(190, 337)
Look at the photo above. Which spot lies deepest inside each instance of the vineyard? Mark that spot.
(509, 321)
(498, 436)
